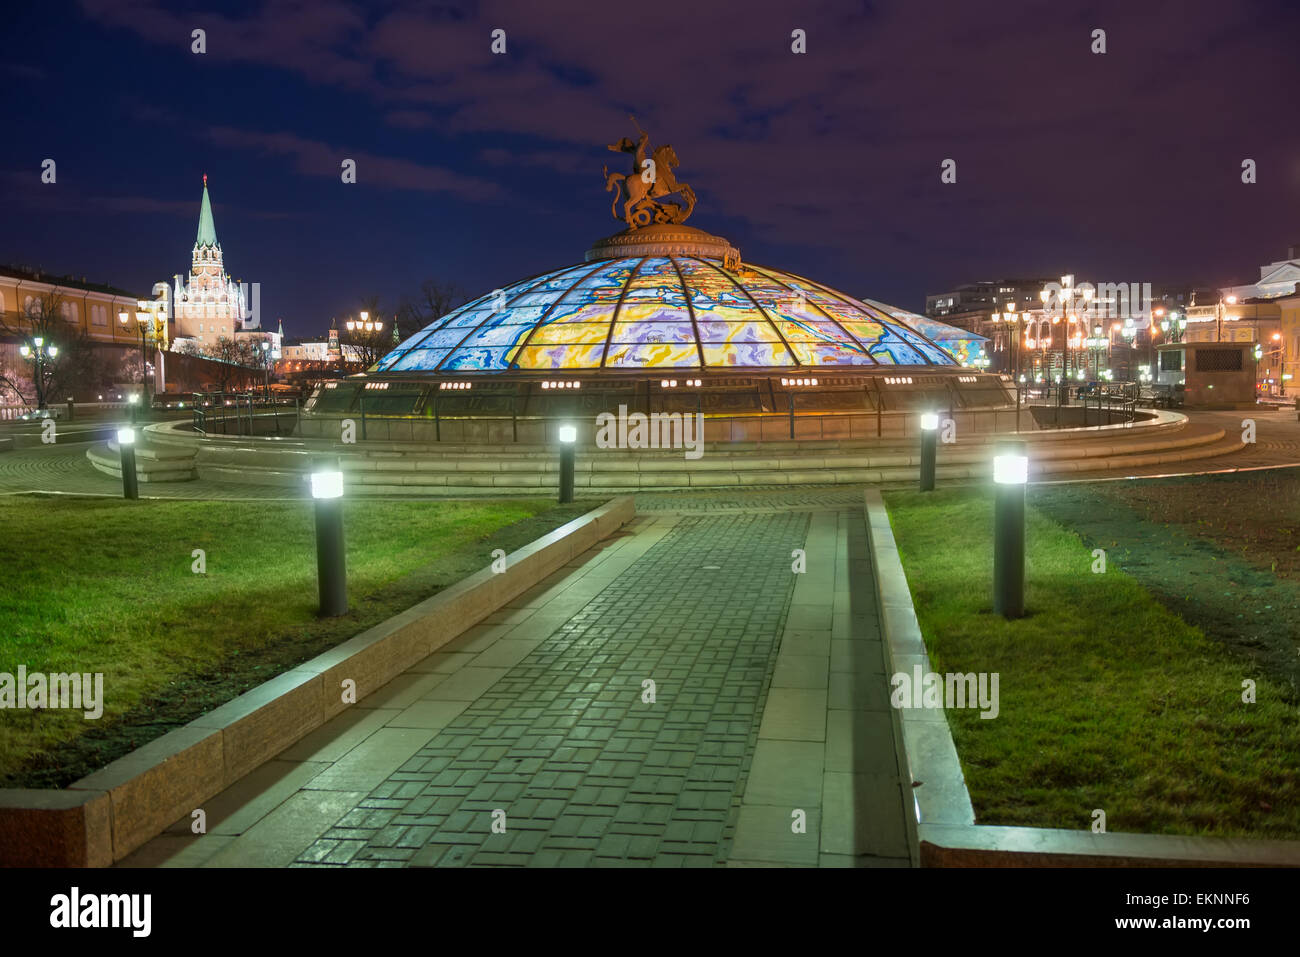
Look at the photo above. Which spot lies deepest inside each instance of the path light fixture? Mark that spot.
(331, 565)
(568, 436)
(929, 444)
(1010, 473)
(126, 452)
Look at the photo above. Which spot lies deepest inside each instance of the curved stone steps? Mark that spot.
(530, 471)
(152, 464)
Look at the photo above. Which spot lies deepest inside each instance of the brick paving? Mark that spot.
(584, 770)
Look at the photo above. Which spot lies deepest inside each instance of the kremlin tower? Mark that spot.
(209, 304)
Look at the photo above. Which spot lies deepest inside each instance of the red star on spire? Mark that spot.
(205, 180)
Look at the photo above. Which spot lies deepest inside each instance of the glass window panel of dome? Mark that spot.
(596, 297)
(920, 344)
(560, 357)
(830, 354)
(493, 335)
(444, 338)
(647, 332)
(866, 331)
(420, 360)
(517, 315)
(932, 354)
(570, 333)
(480, 359)
(836, 308)
(812, 330)
(654, 356)
(714, 295)
(900, 352)
(613, 276)
(719, 354)
(554, 284)
(755, 331)
(466, 318)
(779, 302)
(657, 281)
(649, 311)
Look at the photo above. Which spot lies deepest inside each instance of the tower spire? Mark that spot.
(207, 229)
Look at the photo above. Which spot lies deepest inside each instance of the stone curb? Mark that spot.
(106, 815)
(946, 828)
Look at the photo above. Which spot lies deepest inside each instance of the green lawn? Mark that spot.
(1108, 700)
(107, 586)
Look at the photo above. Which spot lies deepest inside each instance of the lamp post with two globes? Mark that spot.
(39, 354)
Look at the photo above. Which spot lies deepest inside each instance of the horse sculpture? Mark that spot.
(642, 191)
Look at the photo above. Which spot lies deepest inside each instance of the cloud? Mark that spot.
(409, 119)
(844, 141)
(314, 158)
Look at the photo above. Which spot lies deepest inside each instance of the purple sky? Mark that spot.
(483, 169)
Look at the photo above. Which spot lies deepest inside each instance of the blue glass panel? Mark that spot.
(485, 359)
(423, 360)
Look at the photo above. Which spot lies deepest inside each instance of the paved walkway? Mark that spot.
(767, 740)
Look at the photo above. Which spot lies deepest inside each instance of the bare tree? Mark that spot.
(59, 356)
(233, 359)
(434, 300)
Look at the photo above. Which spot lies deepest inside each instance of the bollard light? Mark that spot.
(568, 438)
(126, 456)
(929, 446)
(331, 564)
(1010, 473)
(1010, 469)
(326, 484)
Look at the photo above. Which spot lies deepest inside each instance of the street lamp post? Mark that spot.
(142, 320)
(369, 327)
(39, 354)
(1013, 349)
(266, 369)
(1067, 293)
(1280, 352)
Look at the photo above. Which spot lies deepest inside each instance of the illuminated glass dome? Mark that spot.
(647, 303)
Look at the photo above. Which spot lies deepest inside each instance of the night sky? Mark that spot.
(481, 170)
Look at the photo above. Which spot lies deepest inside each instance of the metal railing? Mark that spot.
(226, 413)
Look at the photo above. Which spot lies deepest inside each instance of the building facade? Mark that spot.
(1276, 279)
(86, 307)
